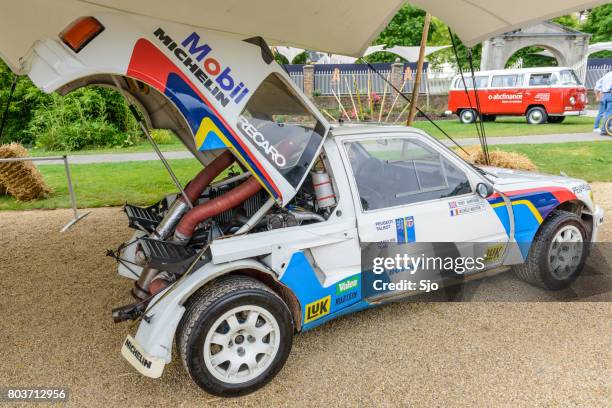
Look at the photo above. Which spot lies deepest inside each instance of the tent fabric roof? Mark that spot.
(410, 54)
(345, 27)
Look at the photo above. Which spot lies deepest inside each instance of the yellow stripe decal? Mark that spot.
(207, 126)
(529, 205)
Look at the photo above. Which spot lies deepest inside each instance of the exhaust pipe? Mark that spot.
(196, 215)
(193, 191)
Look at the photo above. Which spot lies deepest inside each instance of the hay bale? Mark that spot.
(498, 158)
(22, 180)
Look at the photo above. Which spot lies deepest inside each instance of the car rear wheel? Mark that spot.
(468, 116)
(536, 116)
(557, 255)
(235, 336)
(556, 119)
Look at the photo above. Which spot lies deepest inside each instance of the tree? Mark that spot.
(599, 23)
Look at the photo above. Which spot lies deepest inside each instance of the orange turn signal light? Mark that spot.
(80, 32)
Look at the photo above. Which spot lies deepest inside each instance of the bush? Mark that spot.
(80, 120)
(162, 136)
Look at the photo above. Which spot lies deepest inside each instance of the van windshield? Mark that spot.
(568, 77)
(281, 128)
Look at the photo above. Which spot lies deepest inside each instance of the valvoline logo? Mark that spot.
(197, 57)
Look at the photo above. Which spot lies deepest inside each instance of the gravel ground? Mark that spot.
(58, 290)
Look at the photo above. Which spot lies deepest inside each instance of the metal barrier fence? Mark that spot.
(77, 216)
(433, 82)
(298, 79)
(324, 82)
(594, 73)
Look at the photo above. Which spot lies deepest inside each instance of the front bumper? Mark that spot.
(574, 113)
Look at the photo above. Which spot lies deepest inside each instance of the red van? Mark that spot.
(541, 94)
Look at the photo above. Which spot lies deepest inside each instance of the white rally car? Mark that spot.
(229, 270)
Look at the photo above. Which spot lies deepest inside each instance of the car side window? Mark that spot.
(482, 82)
(506, 81)
(541, 79)
(390, 172)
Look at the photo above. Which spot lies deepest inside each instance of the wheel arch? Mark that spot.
(574, 206)
(535, 105)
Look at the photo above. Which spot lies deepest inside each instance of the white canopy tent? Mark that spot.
(410, 54)
(600, 46)
(339, 27)
(288, 52)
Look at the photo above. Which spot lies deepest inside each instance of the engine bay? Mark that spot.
(174, 236)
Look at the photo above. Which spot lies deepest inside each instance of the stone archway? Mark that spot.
(569, 47)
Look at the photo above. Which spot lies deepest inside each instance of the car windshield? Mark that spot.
(282, 129)
(568, 77)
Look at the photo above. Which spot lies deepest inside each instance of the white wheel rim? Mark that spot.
(565, 252)
(241, 344)
(468, 116)
(536, 116)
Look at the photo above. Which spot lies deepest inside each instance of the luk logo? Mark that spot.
(264, 145)
(196, 57)
(317, 309)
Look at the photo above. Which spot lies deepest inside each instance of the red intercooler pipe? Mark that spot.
(195, 188)
(231, 199)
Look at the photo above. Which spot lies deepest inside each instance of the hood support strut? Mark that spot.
(153, 143)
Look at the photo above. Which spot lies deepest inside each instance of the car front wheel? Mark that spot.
(468, 116)
(235, 336)
(558, 252)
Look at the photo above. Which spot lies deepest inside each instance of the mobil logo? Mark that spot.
(202, 52)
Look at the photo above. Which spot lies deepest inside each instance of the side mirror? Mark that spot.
(484, 190)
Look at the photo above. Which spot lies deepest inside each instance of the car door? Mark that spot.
(413, 197)
(506, 94)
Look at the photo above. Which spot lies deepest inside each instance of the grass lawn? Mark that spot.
(591, 161)
(142, 147)
(109, 184)
(508, 126)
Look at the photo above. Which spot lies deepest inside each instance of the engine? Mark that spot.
(176, 234)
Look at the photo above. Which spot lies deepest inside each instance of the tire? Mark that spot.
(208, 320)
(607, 126)
(468, 116)
(489, 118)
(539, 269)
(536, 116)
(556, 119)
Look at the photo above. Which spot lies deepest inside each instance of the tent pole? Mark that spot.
(417, 78)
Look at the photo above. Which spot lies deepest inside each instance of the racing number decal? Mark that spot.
(317, 309)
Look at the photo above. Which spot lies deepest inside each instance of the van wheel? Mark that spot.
(235, 336)
(468, 116)
(558, 252)
(536, 115)
(488, 118)
(556, 119)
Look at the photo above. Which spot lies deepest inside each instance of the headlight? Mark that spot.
(572, 100)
